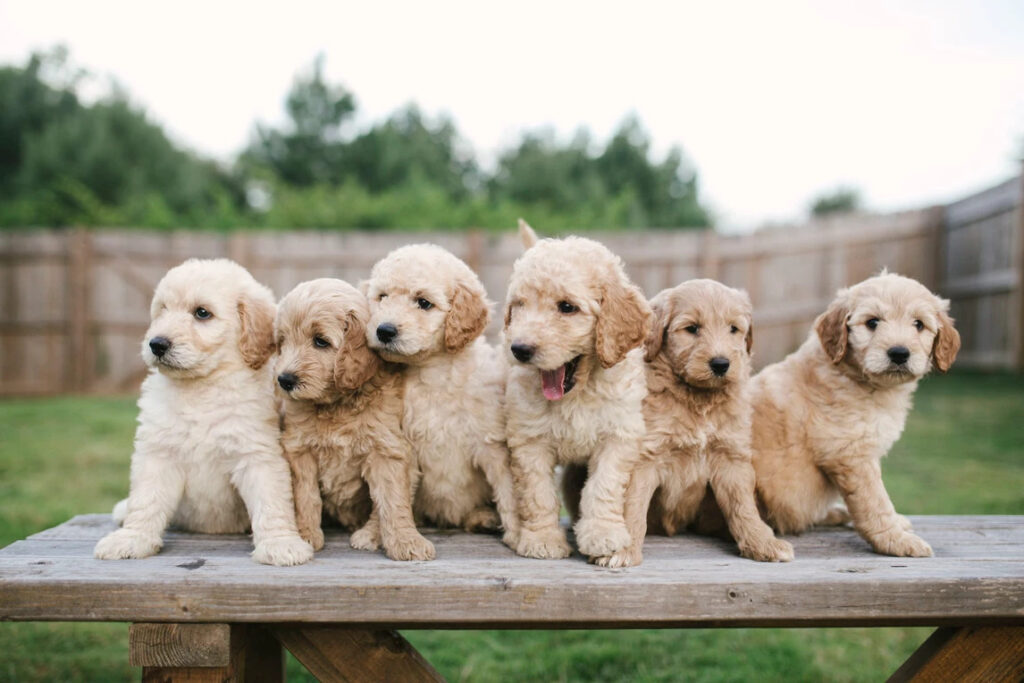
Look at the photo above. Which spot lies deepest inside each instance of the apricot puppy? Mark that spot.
(697, 413)
(342, 422)
(825, 416)
(573, 322)
(428, 310)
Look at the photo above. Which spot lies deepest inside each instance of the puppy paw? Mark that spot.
(365, 539)
(510, 538)
(904, 523)
(597, 538)
(283, 551)
(314, 536)
(902, 544)
(629, 557)
(481, 519)
(410, 547)
(127, 544)
(768, 549)
(547, 544)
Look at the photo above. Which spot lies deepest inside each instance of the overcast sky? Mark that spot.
(913, 102)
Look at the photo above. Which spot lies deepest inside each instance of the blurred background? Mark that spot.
(788, 148)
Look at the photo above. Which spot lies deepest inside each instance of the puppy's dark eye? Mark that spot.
(566, 307)
(871, 323)
(202, 314)
(692, 329)
(424, 304)
(919, 325)
(320, 343)
(382, 296)
(733, 329)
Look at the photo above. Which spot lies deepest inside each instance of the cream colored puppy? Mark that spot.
(342, 422)
(697, 413)
(207, 450)
(825, 416)
(573, 322)
(427, 312)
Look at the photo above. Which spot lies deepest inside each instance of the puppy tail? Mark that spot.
(526, 234)
(120, 511)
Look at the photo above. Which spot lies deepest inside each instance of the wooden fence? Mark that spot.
(74, 304)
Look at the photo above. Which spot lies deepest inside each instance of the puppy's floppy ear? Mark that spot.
(750, 335)
(467, 317)
(623, 322)
(256, 336)
(832, 331)
(661, 307)
(946, 344)
(355, 363)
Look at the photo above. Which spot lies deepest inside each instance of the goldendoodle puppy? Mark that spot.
(427, 312)
(207, 450)
(573, 322)
(825, 416)
(342, 422)
(697, 413)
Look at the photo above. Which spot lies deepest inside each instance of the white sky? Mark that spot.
(913, 102)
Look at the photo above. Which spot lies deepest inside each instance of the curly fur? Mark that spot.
(454, 386)
(207, 453)
(826, 415)
(698, 423)
(342, 423)
(599, 420)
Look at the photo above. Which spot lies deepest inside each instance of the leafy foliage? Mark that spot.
(64, 162)
(838, 201)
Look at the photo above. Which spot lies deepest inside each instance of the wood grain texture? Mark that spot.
(977, 577)
(179, 644)
(355, 655)
(984, 654)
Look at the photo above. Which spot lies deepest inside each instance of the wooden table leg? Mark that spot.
(987, 654)
(332, 653)
(205, 653)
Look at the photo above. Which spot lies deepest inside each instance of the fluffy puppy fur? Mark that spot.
(427, 312)
(342, 422)
(697, 413)
(575, 391)
(207, 451)
(825, 416)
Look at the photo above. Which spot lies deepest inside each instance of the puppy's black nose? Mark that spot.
(159, 346)
(899, 354)
(386, 332)
(523, 352)
(287, 380)
(719, 365)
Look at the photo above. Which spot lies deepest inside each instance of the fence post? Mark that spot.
(709, 261)
(1018, 334)
(475, 249)
(81, 354)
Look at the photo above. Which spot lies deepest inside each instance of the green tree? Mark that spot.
(838, 201)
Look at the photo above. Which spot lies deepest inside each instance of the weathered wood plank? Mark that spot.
(358, 656)
(179, 645)
(977, 576)
(970, 655)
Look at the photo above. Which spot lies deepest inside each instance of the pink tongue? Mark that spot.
(553, 381)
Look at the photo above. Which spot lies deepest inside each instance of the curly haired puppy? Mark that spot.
(207, 450)
(697, 413)
(573, 322)
(825, 416)
(427, 311)
(342, 422)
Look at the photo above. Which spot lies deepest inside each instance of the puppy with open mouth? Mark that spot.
(575, 390)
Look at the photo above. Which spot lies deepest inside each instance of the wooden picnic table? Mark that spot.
(203, 610)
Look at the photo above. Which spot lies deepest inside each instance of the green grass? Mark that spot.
(962, 453)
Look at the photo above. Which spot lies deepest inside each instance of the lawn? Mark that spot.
(962, 452)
